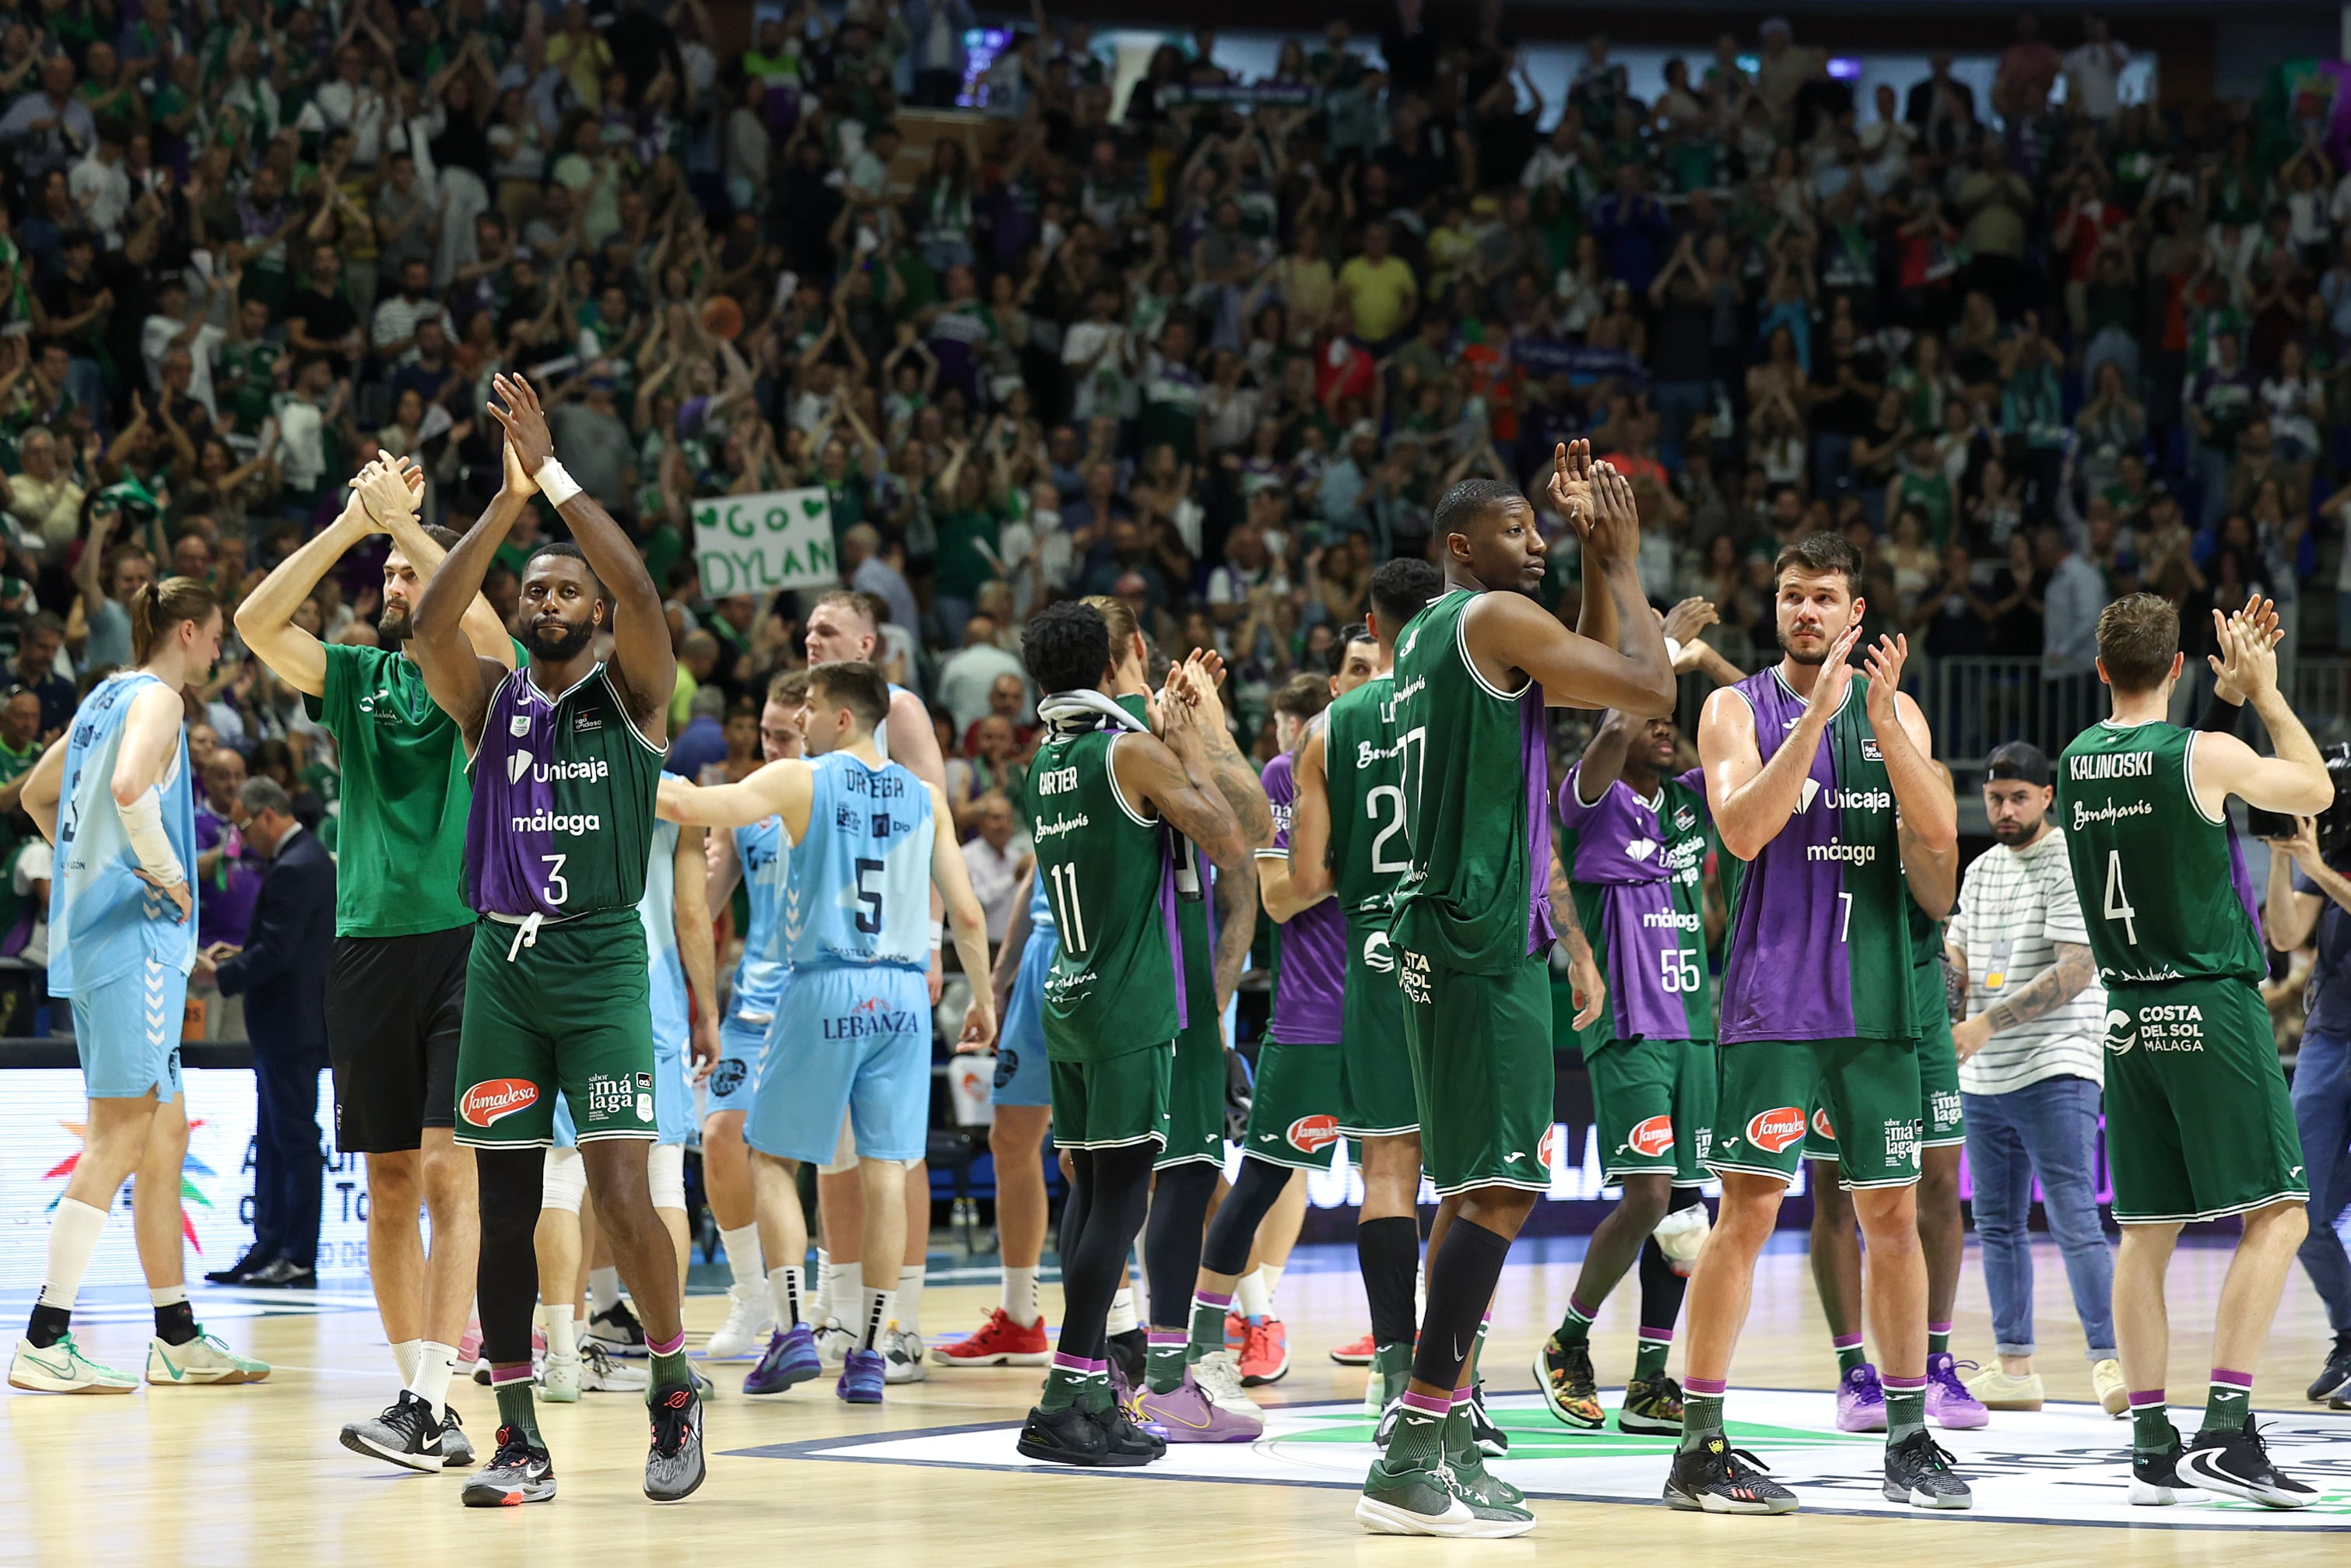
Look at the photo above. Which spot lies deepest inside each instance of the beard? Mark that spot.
(393, 627)
(2014, 833)
(560, 642)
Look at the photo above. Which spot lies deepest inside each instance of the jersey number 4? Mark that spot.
(2117, 904)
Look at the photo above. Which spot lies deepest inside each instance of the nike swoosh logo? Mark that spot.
(1173, 1419)
(1458, 1354)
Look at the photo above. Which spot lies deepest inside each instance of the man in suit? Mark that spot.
(281, 971)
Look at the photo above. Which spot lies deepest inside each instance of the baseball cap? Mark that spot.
(2019, 759)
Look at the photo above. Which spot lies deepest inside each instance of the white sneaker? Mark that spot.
(834, 1343)
(902, 1357)
(61, 1368)
(750, 1319)
(203, 1359)
(558, 1379)
(600, 1374)
(1999, 1390)
(1220, 1379)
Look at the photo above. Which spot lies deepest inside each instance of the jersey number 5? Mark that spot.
(869, 919)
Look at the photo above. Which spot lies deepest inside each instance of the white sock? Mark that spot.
(1021, 1295)
(603, 1290)
(562, 1330)
(429, 1383)
(1249, 1295)
(73, 1230)
(910, 1299)
(405, 1355)
(848, 1294)
(1122, 1312)
(819, 1303)
(167, 1295)
(880, 1310)
(1271, 1274)
(743, 1258)
(784, 1287)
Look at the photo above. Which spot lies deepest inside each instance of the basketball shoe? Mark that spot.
(617, 1329)
(1860, 1401)
(1220, 1380)
(1492, 1441)
(1949, 1405)
(1918, 1472)
(518, 1473)
(749, 1317)
(863, 1373)
(1571, 1392)
(1651, 1405)
(203, 1359)
(1355, 1351)
(1068, 1437)
(2237, 1464)
(1391, 1371)
(1715, 1477)
(902, 1357)
(61, 1368)
(2154, 1479)
(673, 1466)
(999, 1342)
(834, 1343)
(405, 1435)
(2335, 1375)
(790, 1358)
(1188, 1413)
(1265, 1353)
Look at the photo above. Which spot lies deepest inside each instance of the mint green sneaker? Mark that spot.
(203, 1359)
(1424, 1497)
(61, 1368)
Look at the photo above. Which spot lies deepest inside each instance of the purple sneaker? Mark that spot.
(1186, 1414)
(1860, 1401)
(790, 1358)
(1949, 1403)
(860, 1377)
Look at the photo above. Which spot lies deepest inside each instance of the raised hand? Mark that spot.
(383, 490)
(1836, 671)
(2260, 617)
(523, 420)
(2248, 655)
(1570, 483)
(1883, 665)
(1615, 531)
(1690, 617)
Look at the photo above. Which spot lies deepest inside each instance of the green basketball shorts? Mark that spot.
(1863, 1092)
(1113, 1104)
(570, 1011)
(1294, 1106)
(2198, 1124)
(1653, 1101)
(1196, 1097)
(1377, 1098)
(1481, 1068)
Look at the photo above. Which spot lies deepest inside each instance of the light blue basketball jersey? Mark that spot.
(104, 921)
(860, 879)
(1040, 911)
(658, 911)
(882, 730)
(760, 973)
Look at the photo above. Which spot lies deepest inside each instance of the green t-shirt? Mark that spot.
(405, 797)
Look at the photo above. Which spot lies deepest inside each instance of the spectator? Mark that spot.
(967, 677)
(35, 669)
(702, 744)
(999, 855)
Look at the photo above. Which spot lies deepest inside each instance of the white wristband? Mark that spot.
(143, 821)
(555, 484)
(938, 934)
(1673, 649)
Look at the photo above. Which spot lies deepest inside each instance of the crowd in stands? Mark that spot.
(1215, 347)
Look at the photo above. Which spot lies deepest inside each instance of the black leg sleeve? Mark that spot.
(506, 1279)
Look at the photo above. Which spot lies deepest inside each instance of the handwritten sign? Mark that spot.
(759, 544)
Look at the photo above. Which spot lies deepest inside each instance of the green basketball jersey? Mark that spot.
(1362, 761)
(1476, 893)
(1928, 1001)
(563, 814)
(402, 831)
(1104, 868)
(2163, 887)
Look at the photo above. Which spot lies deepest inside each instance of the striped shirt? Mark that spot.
(2014, 908)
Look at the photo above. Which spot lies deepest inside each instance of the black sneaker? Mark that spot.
(1715, 1477)
(2336, 1375)
(2154, 1479)
(1131, 1352)
(674, 1468)
(1918, 1472)
(1571, 1392)
(404, 1435)
(517, 1473)
(456, 1449)
(1066, 1437)
(2237, 1464)
(1492, 1441)
(1124, 1442)
(618, 1331)
(1652, 1405)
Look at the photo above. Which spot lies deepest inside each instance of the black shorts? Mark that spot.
(395, 1006)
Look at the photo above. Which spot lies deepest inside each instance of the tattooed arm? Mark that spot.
(1197, 734)
(1585, 986)
(2037, 999)
(1235, 893)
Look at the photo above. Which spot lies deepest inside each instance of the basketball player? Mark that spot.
(852, 1036)
(566, 754)
(1932, 880)
(113, 794)
(846, 626)
(1806, 766)
(681, 974)
(1634, 841)
(1102, 792)
(1346, 840)
(2198, 1124)
(1472, 929)
(1019, 1112)
(753, 858)
(396, 988)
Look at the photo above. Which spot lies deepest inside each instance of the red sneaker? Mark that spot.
(1355, 1352)
(1001, 1341)
(1236, 1332)
(1265, 1353)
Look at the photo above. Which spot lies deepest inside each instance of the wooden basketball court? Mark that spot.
(254, 1476)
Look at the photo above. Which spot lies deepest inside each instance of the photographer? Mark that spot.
(2309, 892)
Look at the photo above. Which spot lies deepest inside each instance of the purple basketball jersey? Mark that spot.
(1310, 973)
